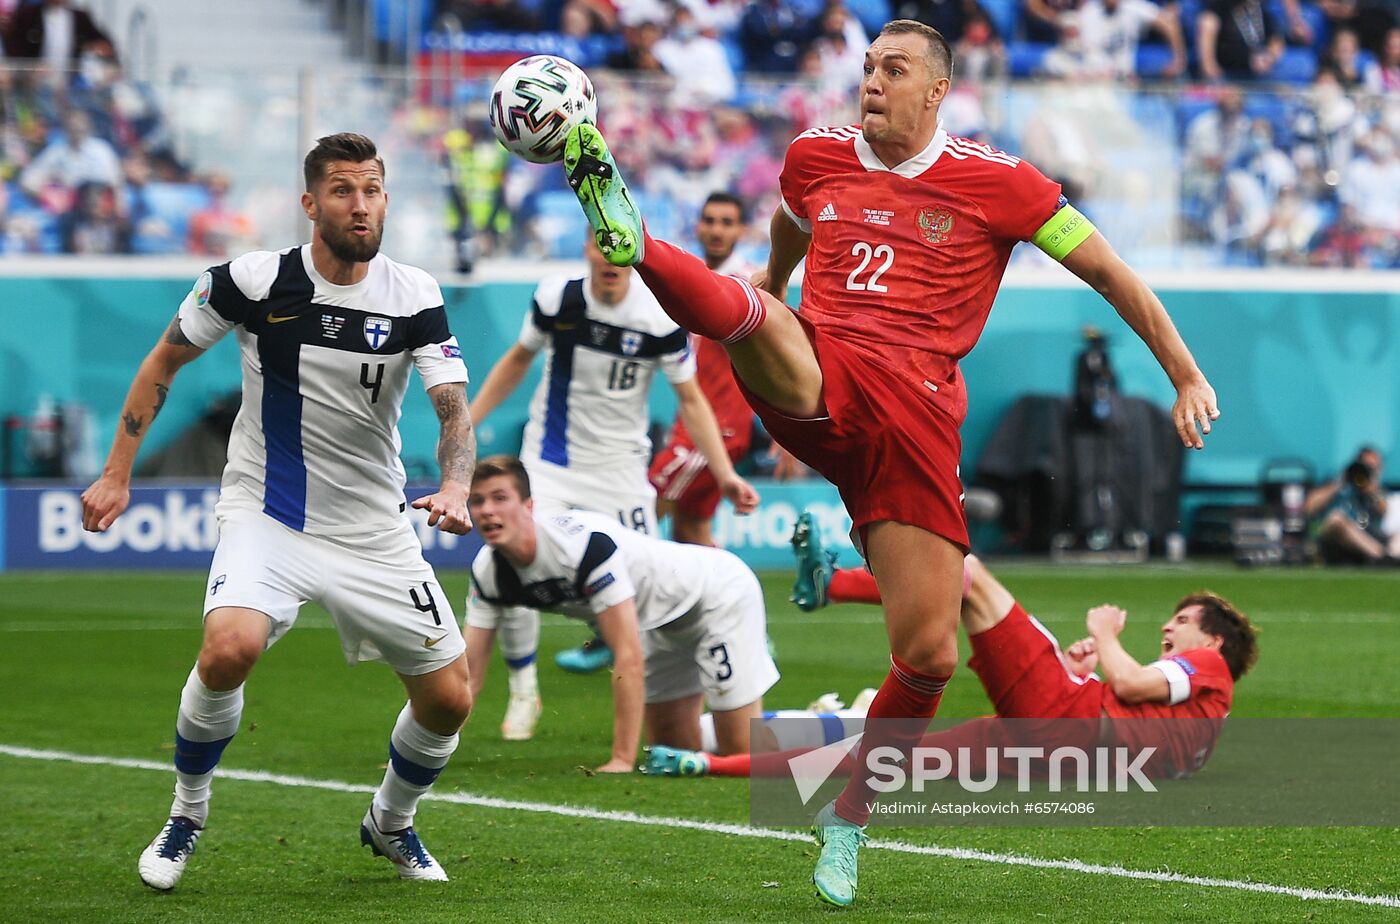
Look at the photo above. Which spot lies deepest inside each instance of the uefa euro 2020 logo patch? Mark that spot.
(936, 225)
(203, 287)
(376, 332)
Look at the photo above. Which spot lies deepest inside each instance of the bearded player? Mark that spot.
(906, 231)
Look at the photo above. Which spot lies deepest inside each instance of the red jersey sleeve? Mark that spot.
(1191, 673)
(810, 156)
(1025, 200)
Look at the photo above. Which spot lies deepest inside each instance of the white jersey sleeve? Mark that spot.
(608, 583)
(436, 355)
(224, 296)
(679, 367)
(544, 307)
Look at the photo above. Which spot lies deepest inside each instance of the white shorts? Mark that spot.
(382, 596)
(719, 648)
(623, 492)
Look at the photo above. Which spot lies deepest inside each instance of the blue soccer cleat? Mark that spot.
(595, 179)
(667, 761)
(592, 656)
(815, 566)
(840, 841)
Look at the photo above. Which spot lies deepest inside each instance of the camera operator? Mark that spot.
(1348, 514)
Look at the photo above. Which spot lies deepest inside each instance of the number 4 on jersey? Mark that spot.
(867, 253)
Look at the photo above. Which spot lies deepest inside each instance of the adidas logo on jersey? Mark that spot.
(828, 213)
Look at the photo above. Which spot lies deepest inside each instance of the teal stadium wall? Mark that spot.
(1301, 371)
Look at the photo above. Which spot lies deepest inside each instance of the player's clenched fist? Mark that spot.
(1082, 657)
(104, 501)
(1105, 620)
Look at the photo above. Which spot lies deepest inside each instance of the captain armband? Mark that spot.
(1066, 230)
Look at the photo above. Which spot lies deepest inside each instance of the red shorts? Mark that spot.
(886, 447)
(1019, 664)
(681, 475)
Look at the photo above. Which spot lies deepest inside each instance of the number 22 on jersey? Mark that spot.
(868, 255)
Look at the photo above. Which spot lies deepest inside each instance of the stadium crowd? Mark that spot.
(87, 165)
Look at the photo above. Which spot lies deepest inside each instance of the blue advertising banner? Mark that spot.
(762, 539)
(165, 526)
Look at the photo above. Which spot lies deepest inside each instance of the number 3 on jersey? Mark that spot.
(869, 253)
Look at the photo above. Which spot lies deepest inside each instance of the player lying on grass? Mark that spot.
(685, 623)
(1206, 646)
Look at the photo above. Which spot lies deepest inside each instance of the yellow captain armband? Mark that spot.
(1066, 230)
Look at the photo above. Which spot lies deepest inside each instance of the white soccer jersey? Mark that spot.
(585, 563)
(591, 406)
(325, 367)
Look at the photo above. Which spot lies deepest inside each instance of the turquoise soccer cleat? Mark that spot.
(594, 177)
(666, 761)
(840, 841)
(592, 656)
(815, 566)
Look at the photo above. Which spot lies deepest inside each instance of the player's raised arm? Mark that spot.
(618, 625)
(503, 379)
(456, 455)
(1094, 261)
(108, 496)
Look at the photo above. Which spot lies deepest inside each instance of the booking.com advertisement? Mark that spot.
(173, 526)
(1093, 770)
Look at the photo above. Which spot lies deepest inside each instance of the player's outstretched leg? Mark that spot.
(814, 565)
(417, 755)
(840, 841)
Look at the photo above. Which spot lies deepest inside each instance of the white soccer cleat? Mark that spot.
(163, 862)
(827, 702)
(522, 712)
(403, 848)
(861, 704)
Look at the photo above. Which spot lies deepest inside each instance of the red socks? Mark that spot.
(906, 694)
(723, 308)
(853, 585)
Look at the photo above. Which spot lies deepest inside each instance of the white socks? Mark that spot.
(207, 721)
(416, 757)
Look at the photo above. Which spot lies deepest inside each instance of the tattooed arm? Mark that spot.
(447, 509)
(105, 500)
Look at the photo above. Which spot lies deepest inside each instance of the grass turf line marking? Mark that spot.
(733, 830)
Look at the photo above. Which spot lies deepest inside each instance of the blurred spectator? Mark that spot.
(1044, 20)
(1343, 244)
(1215, 139)
(949, 17)
(69, 162)
(1293, 223)
(1237, 39)
(638, 52)
(979, 53)
(1328, 123)
(1241, 218)
(1371, 185)
(841, 42)
(698, 62)
(219, 230)
(1100, 39)
(584, 17)
(1383, 76)
(477, 217)
(1343, 59)
(484, 15)
(1370, 19)
(772, 34)
(94, 225)
(1265, 161)
(56, 33)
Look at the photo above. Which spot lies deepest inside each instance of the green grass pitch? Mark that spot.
(93, 664)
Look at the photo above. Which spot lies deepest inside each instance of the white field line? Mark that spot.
(733, 830)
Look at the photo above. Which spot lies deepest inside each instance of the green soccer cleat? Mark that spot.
(666, 761)
(593, 175)
(814, 566)
(840, 841)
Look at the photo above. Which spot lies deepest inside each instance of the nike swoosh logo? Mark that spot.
(274, 319)
(433, 643)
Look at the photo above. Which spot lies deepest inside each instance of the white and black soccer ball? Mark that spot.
(535, 103)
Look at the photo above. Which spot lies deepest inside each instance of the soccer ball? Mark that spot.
(535, 103)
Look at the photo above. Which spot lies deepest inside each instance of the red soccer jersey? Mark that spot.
(907, 261)
(1201, 690)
